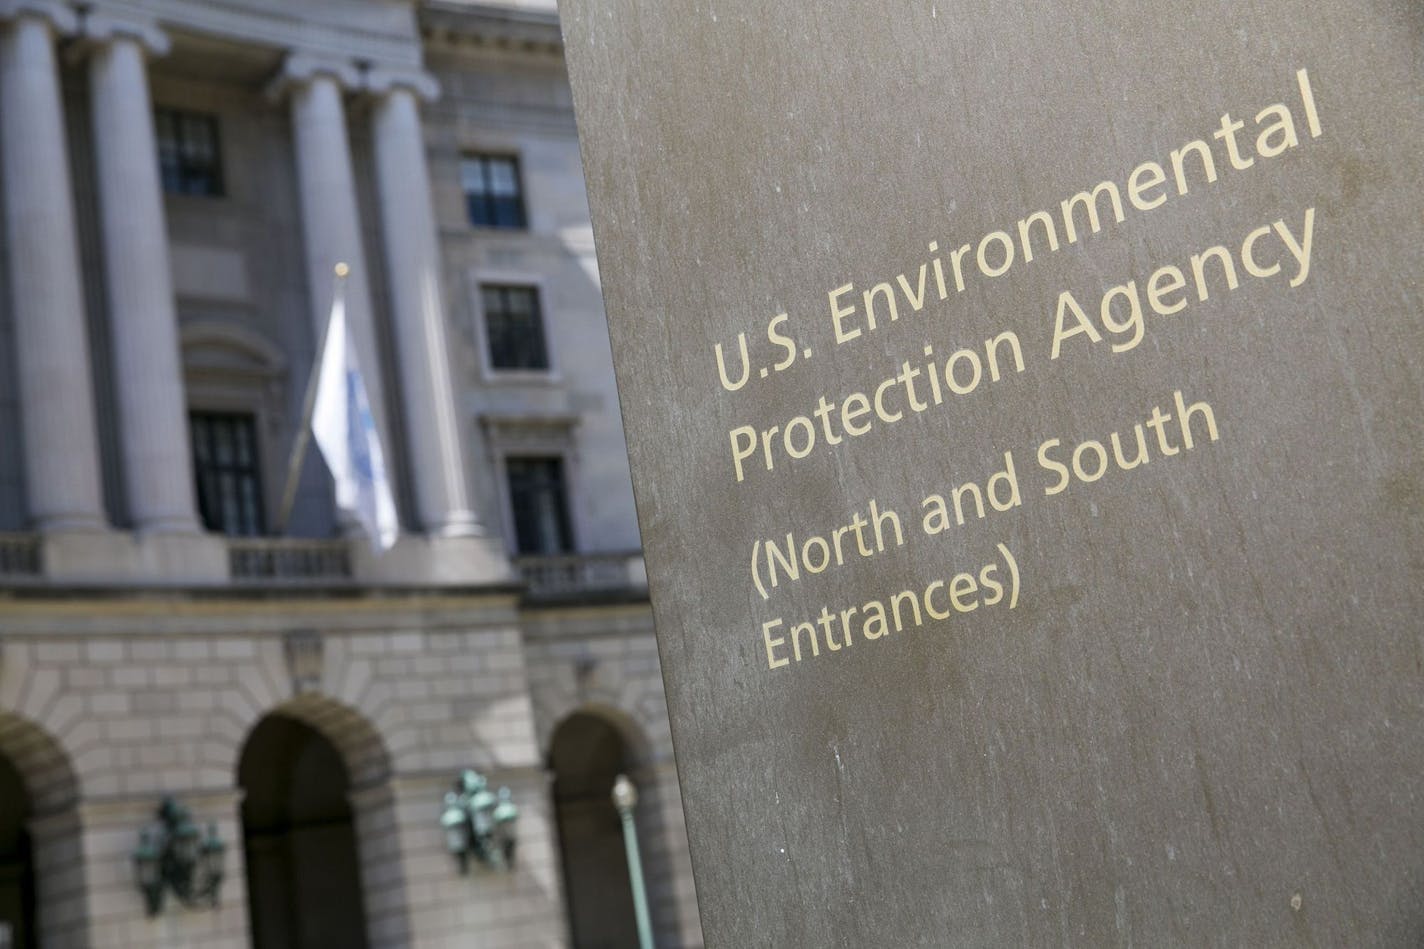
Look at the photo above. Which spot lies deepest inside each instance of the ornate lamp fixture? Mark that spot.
(173, 854)
(479, 822)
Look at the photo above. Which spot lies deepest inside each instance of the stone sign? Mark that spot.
(1026, 413)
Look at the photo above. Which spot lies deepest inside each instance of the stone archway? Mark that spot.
(588, 750)
(586, 754)
(39, 830)
(315, 777)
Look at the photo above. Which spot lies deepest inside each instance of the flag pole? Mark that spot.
(303, 437)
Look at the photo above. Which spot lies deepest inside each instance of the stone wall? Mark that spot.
(498, 101)
(111, 704)
(603, 660)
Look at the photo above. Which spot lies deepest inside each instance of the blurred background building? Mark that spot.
(179, 178)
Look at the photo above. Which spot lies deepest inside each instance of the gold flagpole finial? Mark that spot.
(342, 270)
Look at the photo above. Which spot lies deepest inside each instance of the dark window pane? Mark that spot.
(472, 177)
(520, 302)
(515, 328)
(503, 178)
(228, 504)
(493, 196)
(189, 157)
(223, 435)
(244, 445)
(507, 212)
(226, 470)
(248, 489)
(538, 498)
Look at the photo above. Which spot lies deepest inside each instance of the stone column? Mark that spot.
(147, 365)
(51, 342)
(331, 221)
(413, 266)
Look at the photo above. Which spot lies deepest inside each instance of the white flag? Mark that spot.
(345, 431)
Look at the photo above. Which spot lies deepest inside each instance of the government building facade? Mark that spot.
(224, 726)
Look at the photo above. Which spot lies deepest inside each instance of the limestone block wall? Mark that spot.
(518, 104)
(106, 704)
(603, 660)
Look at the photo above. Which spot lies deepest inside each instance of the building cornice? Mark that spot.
(478, 24)
(393, 42)
(138, 598)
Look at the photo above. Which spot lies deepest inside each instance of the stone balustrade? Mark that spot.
(566, 576)
(266, 560)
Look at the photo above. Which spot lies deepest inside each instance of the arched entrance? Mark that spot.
(39, 828)
(303, 870)
(586, 755)
(18, 922)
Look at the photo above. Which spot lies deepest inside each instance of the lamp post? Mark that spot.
(625, 798)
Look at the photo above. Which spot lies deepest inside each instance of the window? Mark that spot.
(189, 159)
(538, 500)
(225, 462)
(493, 197)
(514, 328)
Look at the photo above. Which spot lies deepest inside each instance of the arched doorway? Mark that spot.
(586, 755)
(39, 829)
(18, 923)
(303, 870)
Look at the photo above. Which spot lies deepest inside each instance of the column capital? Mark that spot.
(298, 69)
(383, 80)
(58, 14)
(103, 25)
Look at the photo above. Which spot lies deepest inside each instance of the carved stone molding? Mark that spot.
(303, 651)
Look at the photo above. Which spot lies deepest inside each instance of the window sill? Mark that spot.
(542, 378)
(195, 198)
(497, 229)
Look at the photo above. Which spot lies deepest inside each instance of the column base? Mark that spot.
(177, 524)
(70, 523)
(459, 524)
